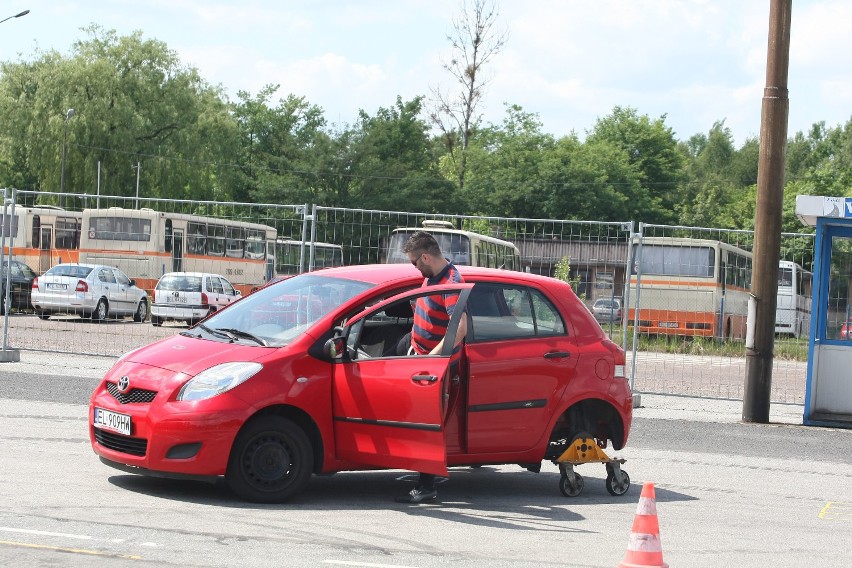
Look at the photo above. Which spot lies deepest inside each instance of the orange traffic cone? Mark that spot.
(644, 548)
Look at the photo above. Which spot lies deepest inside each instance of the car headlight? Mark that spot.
(216, 380)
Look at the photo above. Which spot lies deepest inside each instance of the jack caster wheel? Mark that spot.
(571, 489)
(618, 483)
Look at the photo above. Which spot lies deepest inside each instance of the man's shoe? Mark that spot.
(419, 495)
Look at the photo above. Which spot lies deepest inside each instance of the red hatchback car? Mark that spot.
(311, 375)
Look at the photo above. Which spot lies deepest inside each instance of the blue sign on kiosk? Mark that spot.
(828, 394)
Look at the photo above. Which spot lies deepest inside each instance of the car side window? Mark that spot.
(121, 278)
(229, 290)
(500, 311)
(547, 318)
(215, 285)
(105, 275)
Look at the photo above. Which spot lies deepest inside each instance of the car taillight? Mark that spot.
(618, 357)
(81, 286)
(35, 283)
(204, 300)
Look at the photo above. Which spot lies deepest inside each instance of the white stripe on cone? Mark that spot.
(642, 542)
(646, 506)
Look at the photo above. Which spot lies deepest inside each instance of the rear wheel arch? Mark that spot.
(593, 416)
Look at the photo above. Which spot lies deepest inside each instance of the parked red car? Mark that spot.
(312, 376)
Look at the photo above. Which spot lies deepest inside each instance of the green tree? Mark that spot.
(394, 164)
(278, 148)
(651, 148)
(134, 102)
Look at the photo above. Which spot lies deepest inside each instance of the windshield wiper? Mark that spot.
(234, 333)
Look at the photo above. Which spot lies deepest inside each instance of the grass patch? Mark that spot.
(788, 348)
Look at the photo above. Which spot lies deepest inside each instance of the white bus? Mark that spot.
(293, 257)
(691, 287)
(41, 236)
(146, 244)
(793, 307)
(462, 247)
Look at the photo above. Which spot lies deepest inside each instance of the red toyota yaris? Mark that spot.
(312, 375)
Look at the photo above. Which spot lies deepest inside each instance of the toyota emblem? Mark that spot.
(124, 384)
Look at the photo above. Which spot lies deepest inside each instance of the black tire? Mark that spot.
(2, 302)
(101, 310)
(618, 487)
(571, 490)
(42, 315)
(271, 460)
(141, 313)
(156, 322)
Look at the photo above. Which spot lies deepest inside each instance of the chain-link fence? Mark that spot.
(680, 316)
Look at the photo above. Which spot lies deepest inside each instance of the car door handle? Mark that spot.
(424, 378)
(556, 354)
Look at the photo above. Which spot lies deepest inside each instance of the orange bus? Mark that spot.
(41, 236)
(146, 244)
(690, 287)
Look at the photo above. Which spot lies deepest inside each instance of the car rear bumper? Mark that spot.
(182, 312)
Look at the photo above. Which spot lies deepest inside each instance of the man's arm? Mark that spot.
(460, 335)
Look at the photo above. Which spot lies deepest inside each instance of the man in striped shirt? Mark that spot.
(431, 316)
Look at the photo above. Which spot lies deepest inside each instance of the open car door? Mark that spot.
(389, 407)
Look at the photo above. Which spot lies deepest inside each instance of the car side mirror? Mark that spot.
(336, 346)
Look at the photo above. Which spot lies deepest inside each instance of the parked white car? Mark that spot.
(89, 290)
(190, 296)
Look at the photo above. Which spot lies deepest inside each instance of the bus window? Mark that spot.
(216, 240)
(196, 238)
(235, 242)
(255, 245)
(10, 229)
(67, 233)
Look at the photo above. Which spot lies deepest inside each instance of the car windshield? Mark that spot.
(281, 312)
(69, 270)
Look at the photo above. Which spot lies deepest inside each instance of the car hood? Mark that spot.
(190, 355)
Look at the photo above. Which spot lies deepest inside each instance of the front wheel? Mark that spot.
(271, 460)
(156, 322)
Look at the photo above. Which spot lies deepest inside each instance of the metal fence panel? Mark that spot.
(689, 328)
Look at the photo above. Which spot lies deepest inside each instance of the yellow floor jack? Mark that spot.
(584, 449)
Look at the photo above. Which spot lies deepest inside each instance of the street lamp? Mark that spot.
(68, 115)
(24, 13)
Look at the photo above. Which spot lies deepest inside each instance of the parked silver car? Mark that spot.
(607, 310)
(89, 290)
(190, 296)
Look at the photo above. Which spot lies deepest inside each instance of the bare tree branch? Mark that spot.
(475, 41)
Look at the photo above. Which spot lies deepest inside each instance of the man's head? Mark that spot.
(424, 252)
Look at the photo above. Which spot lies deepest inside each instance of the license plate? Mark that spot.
(109, 420)
(668, 324)
(173, 300)
(55, 286)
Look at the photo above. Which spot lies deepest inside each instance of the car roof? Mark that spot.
(383, 273)
(191, 274)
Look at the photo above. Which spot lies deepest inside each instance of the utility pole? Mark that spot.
(760, 340)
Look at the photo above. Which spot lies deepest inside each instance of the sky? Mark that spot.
(570, 62)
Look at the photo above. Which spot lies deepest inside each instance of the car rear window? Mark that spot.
(179, 283)
(68, 270)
